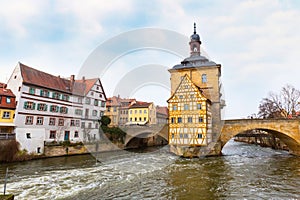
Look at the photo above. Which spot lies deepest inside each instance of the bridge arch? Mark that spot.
(286, 130)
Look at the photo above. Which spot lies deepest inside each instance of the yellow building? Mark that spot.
(142, 113)
(7, 111)
(189, 115)
(195, 81)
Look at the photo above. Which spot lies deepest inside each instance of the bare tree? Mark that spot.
(282, 105)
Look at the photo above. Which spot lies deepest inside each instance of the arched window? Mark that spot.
(204, 78)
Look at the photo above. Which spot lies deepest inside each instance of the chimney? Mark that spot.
(72, 80)
(83, 79)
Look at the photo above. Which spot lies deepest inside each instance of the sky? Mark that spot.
(256, 42)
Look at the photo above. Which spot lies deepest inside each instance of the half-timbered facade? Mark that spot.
(189, 115)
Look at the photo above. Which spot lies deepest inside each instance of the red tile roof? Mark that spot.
(162, 110)
(38, 78)
(140, 104)
(6, 92)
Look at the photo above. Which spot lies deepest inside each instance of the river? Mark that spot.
(244, 172)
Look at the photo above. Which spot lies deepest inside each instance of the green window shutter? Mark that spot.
(38, 106)
(33, 107)
(41, 92)
(45, 108)
(66, 110)
(53, 94)
(25, 104)
(48, 93)
(60, 109)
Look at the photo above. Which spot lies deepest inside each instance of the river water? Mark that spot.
(244, 172)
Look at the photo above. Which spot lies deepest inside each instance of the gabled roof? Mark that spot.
(198, 89)
(35, 77)
(38, 78)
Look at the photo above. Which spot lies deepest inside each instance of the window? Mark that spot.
(145, 118)
(135, 111)
(63, 110)
(186, 107)
(115, 109)
(87, 100)
(131, 112)
(76, 135)
(140, 119)
(101, 113)
(77, 122)
(96, 125)
(200, 119)
(44, 93)
(100, 95)
(140, 111)
(180, 96)
(28, 135)
(31, 90)
(102, 103)
(131, 119)
(72, 122)
(186, 135)
(199, 135)
(96, 102)
(29, 120)
(108, 109)
(199, 106)
(92, 93)
(82, 124)
(78, 112)
(79, 100)
(65, 97)
(95, 112)
(135, 119)
(39, 120)
(97, 88)
(204, 78)
(29, 105)
(179, 120)
(6, 115)
(60, 122)
(172, 135)
(145, 111)
(173, 120)
(181, 135)
(52, 135)
(190, 119)
(8, 100)
(42, 107)
(53, 108)
(19, 89)
(192, 96)
(90, 125)
(55, 95)
(52, 121)
(174, 107)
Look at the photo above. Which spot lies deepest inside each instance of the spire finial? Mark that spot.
(194, 28)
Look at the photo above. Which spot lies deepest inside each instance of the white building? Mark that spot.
(51, 108)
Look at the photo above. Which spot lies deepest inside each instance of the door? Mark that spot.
(67, 135)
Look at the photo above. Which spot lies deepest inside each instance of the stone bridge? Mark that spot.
(145, 132)
(287, 130)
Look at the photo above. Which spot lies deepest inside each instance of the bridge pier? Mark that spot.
(213, 149)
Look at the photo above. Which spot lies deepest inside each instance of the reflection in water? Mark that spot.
(245, 171)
